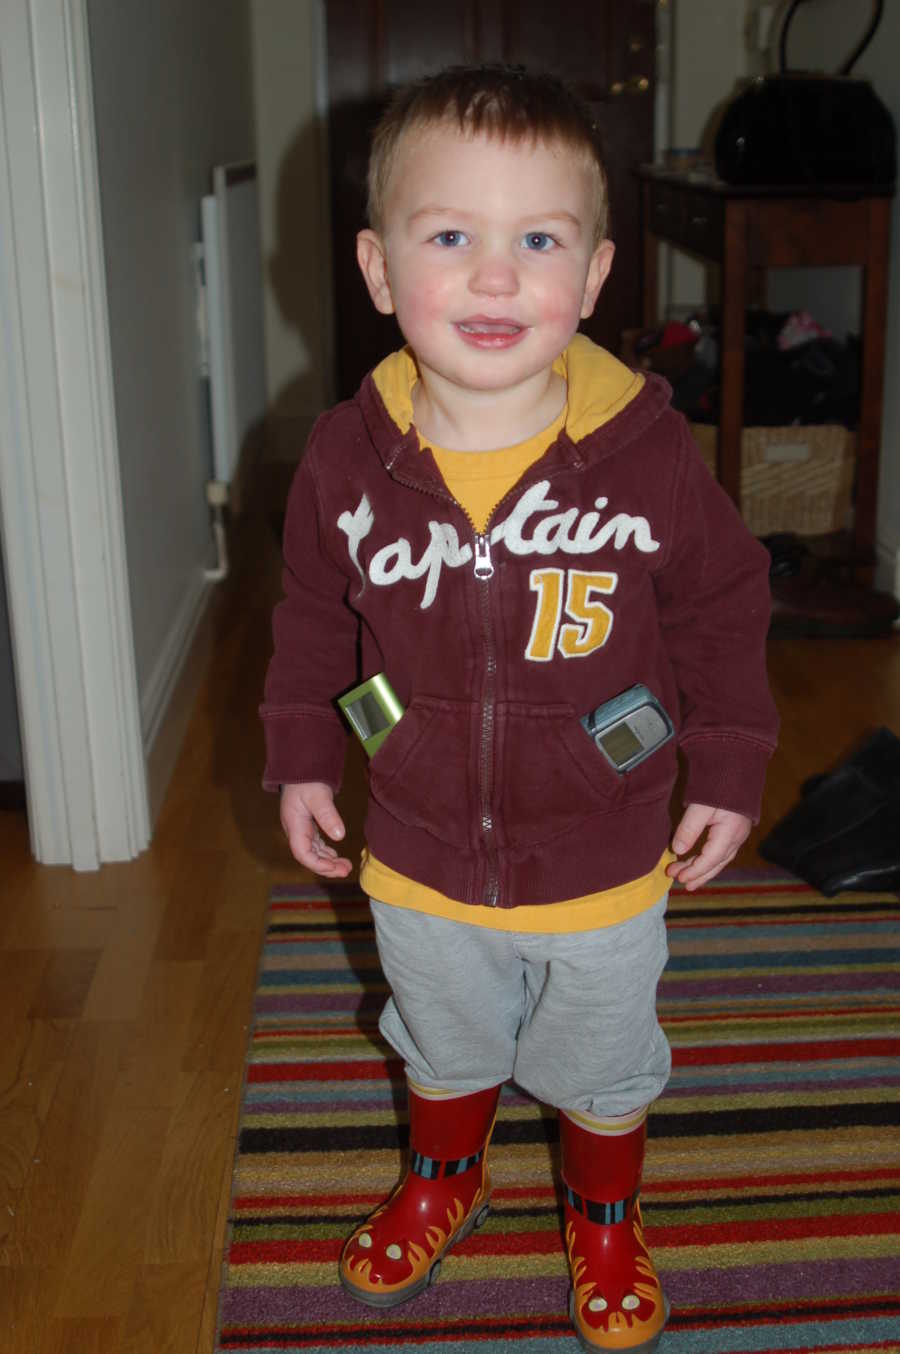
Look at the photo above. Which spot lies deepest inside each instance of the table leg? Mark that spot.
(874, 321)
(731, 395)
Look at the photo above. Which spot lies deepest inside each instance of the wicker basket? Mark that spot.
(796, 479)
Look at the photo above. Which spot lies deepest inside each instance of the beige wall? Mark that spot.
(172, 98)
(708, 58)
(289, 76)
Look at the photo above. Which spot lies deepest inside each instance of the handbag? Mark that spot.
(807, 127)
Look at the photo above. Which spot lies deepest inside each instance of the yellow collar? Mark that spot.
(599, 386)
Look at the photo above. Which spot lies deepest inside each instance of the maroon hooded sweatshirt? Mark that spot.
(616, 559)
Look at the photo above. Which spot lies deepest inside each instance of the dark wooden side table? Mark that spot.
(749, 229)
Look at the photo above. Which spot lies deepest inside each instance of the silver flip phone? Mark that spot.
(629, 728)
(371, 710)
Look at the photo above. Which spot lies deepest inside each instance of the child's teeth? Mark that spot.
(490, 328)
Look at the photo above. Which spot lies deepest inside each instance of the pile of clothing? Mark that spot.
(795, 372)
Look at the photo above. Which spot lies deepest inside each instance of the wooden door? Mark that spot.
(604, 49)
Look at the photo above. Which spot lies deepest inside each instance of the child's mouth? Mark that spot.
(487, 333)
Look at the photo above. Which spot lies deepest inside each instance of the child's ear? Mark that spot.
(372, 261)
(598, 272)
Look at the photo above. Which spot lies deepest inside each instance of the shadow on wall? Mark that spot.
(243, 618)
(298, 272)
(361, 336)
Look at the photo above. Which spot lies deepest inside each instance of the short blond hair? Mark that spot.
(506, 102)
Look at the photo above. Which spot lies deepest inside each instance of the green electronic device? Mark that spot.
(371, 710)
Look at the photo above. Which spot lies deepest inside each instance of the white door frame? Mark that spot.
(60, 494)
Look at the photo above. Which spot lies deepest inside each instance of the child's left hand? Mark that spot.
(727, 832)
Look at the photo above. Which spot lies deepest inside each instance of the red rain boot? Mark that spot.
(616, 1302)
(397, 1251)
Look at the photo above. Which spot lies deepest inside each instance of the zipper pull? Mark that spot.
(484, 567)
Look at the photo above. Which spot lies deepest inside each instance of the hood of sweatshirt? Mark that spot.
(599, 386)
(607, 403)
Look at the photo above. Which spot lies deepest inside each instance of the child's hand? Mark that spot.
(305, 809)
(727, 831)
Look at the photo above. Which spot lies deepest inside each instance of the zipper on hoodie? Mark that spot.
(484, 572)
(484, 565)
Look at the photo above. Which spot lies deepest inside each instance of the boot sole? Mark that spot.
(475, 1220)
(648, 1346)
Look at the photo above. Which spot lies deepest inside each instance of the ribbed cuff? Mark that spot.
(303, 749)
(726, 773)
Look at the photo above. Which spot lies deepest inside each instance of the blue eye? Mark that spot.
(538, 241)
(451, 239)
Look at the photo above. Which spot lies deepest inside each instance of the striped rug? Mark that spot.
(773, 1170)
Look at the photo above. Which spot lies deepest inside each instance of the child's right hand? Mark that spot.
(305, 809)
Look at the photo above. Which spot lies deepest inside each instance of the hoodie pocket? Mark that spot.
(420, 774)
(552, 775)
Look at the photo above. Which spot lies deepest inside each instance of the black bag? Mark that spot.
(809, 128)
(845, 832)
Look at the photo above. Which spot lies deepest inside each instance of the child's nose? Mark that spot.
(494, 275)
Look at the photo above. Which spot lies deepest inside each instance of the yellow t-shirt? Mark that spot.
(478, 481)
(572, 914)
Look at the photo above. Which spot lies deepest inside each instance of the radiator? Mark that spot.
(230, 314)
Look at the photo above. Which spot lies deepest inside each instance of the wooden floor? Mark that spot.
(125, 998)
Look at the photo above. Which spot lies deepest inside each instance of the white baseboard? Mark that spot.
(169, 695)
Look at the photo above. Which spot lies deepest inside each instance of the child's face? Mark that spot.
(487, 255)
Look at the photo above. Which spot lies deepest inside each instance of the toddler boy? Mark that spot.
(516, 528)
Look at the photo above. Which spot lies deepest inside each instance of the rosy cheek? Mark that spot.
(423, 300)
(569, 296)
(558, 307)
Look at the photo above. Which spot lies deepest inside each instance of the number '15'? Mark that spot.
(574, 593)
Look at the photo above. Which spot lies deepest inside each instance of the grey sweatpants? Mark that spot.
(570, 1018)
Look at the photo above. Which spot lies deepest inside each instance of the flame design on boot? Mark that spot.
(626, 1312)
(396, 1252)
(617, 1302)
(384, 1264)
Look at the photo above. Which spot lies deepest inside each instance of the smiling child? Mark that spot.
(516, 529)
